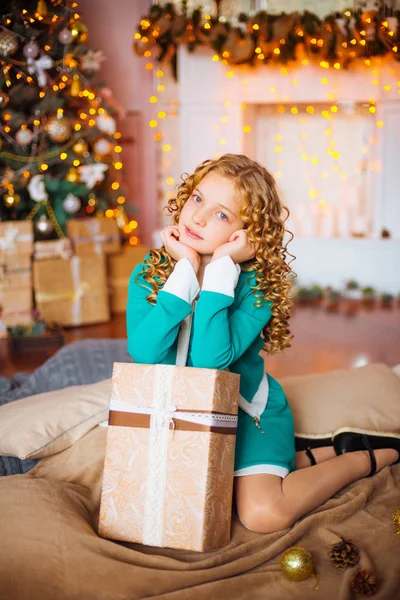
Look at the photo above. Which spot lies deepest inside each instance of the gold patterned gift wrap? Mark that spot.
(168, 472)
(72, 291)
(120, 267)
(94, 236)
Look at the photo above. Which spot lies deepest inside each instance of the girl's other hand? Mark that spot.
(239, 248)
(176, 249)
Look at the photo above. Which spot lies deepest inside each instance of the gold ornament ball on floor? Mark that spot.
(79, 31)
(296, 563)
(59, 129)
(396, 519)
(80, 147)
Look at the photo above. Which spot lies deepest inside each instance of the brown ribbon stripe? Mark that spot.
(127, 419)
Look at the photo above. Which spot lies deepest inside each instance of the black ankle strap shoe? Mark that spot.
(349, 440)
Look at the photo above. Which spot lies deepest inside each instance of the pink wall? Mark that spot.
(112, 26)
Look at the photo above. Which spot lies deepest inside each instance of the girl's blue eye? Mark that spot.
(225, 218)
(194, 198)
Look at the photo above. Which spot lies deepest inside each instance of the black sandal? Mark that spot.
(310, 456)
(352, 441)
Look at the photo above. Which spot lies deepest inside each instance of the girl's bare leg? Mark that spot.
(267, 503)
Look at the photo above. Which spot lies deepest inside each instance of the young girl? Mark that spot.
(226, 250)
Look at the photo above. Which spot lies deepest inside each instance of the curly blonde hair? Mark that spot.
(264, 216)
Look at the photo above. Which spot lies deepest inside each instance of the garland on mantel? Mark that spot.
(337, 41)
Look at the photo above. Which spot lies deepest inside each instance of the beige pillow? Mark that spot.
(365, 398)
(45, 424)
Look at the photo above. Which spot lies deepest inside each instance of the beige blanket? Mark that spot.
(50, 549)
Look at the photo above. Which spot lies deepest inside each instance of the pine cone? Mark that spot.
(344, 554)
(364, 583)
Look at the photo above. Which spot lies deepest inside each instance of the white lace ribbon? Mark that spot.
(157, 456)
(162, 413)
(210, 420)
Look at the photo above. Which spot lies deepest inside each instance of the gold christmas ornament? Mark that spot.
(364, 583)
(296, 563)
(79, 31)
(3, 99)
(11, 198)
(58, 128)
(72, 175)
(8, 43)
(237, 50)
(80, 147)
(396, 519)
(344, 554)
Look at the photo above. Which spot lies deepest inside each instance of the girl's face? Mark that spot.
(210, 215)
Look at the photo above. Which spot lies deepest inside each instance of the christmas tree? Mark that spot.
(59, 148)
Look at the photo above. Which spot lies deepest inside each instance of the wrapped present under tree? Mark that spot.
(72, 291)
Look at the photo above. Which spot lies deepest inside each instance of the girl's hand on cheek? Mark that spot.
(239, 248)
(176, 249)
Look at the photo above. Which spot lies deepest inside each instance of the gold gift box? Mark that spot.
(94, 236)
(72, 291)
(16, 237)
(120, 267)
(168, 472)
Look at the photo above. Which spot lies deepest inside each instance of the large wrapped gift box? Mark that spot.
(72, 291)
(120, 267)
(168, 473)
(94, 236)
(16, 237)
(16, 289)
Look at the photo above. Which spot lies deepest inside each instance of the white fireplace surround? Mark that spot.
(204, 94)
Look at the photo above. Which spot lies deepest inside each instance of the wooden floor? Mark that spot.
(323, 341)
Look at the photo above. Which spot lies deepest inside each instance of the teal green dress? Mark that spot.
(225, 334)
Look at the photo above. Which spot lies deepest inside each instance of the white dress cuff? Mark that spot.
(221, 276)
(183, 281)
